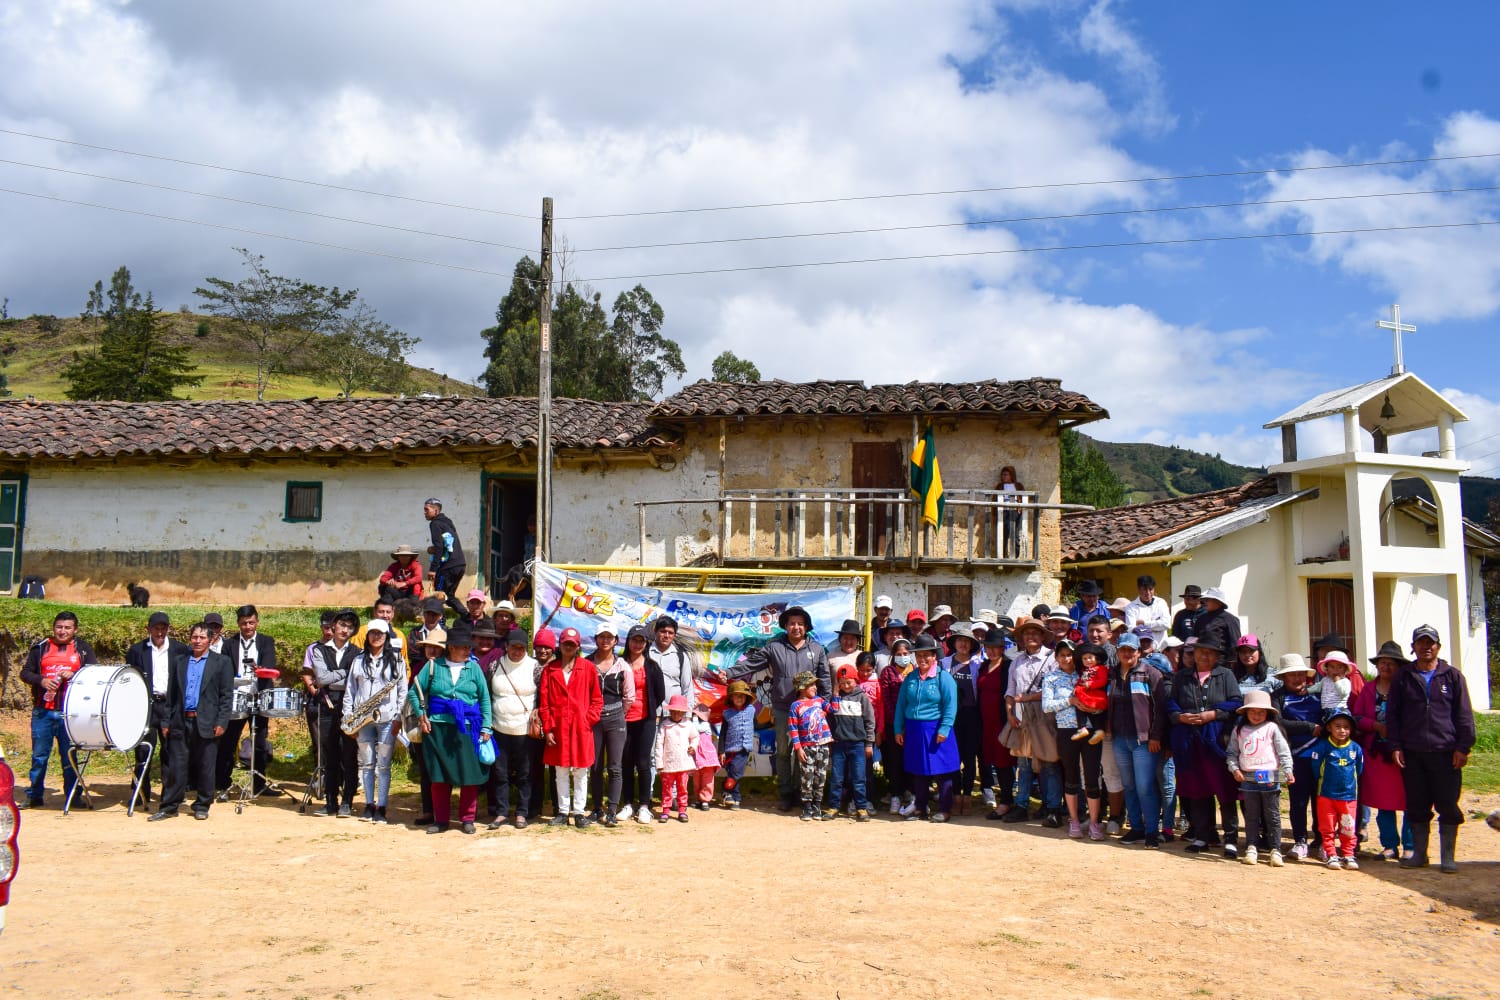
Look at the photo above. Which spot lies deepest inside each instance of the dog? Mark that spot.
(140, 597)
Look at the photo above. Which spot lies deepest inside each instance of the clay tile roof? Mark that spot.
(321, 426)
(731, 399)
(1099, 534)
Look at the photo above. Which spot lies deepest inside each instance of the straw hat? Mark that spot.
(1292, 663)
(1260, 700)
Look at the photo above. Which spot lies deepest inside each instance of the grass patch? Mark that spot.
(1006, 938)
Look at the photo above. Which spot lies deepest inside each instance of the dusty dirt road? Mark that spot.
(276, 904)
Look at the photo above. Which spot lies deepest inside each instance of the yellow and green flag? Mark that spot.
(926, 480)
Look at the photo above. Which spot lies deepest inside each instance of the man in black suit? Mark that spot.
(198, 701)
(247, 652)
(331, 673)
(152, 657)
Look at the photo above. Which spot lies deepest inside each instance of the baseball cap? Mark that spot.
(884, 601)
(916, 615)
(158, 618)
(516, 637)
(570, 635)
(432, 604)
(1420, 632)
(847, 671)
(1143, 631)
(377, 625)
(214, 618)
(1129, 641)
(477, 595)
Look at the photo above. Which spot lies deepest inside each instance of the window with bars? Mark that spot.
(304, 502)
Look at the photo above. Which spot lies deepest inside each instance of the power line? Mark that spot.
(1029, 187)
(256, 232)
(267, 176)
(262, 204)
(1029, 218)
(1051, 249)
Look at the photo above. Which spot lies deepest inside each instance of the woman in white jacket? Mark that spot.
(380, 668)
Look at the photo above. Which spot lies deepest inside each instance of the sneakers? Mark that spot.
(830, 813)
(1167, 835)
(368, 815)
(624, 813)
(1196, 846)
(1152, 842)
(1096, 832)
(1017, 814)
(583, 822)
(703, 807)
(1351, 863)
(379, 817)
(1112, 828)
(1299, 851)
(861, 816)
(806, 816)
(1333, 862)
(643, 816)
(561, 819)
(345, 811)
(1133, 837)
(1231, 851)
(939, 817)
(1075, 829)
(988, 794)
(1251, 855)
(731, 803)
(909, 809)
(1052, 821)
(1276, 861)
(895, 805)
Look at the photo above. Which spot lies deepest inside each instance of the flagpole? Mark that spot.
(918, 526)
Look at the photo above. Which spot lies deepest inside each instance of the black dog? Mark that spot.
(140, 597)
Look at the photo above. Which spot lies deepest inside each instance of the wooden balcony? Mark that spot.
(868, 527)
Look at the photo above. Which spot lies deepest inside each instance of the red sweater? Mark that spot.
(1091, 690)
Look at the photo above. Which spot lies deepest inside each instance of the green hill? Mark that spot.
(38, 348)
(1156, 472)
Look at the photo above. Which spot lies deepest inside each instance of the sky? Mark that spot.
(367, 143)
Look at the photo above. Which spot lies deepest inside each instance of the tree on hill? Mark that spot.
(132, 360)
(364, 353)
(1086, 477)
(730, 368)
(594, 355)
(275, 317)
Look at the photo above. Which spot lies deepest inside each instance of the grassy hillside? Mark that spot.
(38, 348)
(1156, 472)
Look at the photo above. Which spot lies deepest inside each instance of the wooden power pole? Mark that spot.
(544, 395)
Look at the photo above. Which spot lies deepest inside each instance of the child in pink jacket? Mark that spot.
(706, 759)
(676, 745)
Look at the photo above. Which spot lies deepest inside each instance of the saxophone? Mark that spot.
(366, 711)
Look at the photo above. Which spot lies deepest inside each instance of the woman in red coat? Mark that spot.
(570, 702)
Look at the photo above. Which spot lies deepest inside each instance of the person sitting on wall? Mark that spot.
(402, 578)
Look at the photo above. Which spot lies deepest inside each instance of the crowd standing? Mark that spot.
(1117, 720)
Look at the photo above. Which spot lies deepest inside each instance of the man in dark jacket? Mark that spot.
(49, 666)
(786, 656)
(1217, 626)
(1430, 724)
(447, 568)
(152, 657)
(199, 701)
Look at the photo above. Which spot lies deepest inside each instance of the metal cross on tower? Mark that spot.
(1397, 328)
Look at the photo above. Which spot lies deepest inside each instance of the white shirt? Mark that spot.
(1156, 614)
(241, 647)
(159, 667)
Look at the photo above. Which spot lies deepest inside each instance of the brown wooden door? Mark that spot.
(1330, 608)
(878, 465)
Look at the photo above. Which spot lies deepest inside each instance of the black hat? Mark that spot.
(158, 618)
(1390, 650)
(1101, 655)
(994, 637)
(1331, 641)
(214, 618)
(1088, 588)
(1209, 642)
(460, 634)
(517, 635)
(795, 609)
(924, 642)
(1006, 623)
(639, 632)
(485, 629)
(1192, 590)
(851, 627)
(433, 604)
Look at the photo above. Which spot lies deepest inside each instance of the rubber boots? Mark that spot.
(1419, 837)
(1447, 844)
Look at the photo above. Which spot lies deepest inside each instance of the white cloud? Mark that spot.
(1103, 34)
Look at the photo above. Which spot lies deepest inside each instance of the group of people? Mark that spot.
(1114, 720)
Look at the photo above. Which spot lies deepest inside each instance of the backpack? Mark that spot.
(32, 588)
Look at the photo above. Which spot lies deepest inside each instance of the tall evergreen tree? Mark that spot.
(132, 360)
(1086, 477)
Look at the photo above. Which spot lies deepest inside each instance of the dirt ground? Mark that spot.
(271, 903)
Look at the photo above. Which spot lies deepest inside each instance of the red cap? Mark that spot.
(916, 615)
(545, 639)
(570, 635)
(847, 671)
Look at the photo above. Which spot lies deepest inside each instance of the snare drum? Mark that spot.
(280, 703)
(106, 707)
(244, 698)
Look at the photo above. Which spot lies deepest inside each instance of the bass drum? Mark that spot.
(106, 707)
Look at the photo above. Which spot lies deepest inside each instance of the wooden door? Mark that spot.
(1330, 608)
(878, 465)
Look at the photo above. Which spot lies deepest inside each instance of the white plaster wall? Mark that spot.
(364, 508)
(1258, 598)
(595, 518)
(1423, 600)
(1007, 592)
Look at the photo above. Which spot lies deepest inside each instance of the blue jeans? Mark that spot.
(1385, 822)
(850, 755)
(1138, 774)
(47, 725)
(1051, 782)
(375, 742)
(1166, 786)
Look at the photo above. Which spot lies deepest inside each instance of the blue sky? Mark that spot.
(667, 106)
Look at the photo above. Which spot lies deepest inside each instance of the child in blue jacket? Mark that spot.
(1339, 761)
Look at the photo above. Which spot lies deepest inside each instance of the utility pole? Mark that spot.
(544, 396)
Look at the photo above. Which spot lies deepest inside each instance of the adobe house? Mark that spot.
(1362, 543)
(300, 502)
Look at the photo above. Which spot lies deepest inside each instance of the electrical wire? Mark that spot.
(267, 176)
(262, 204)
(1052, 249)
(257, 232)
(1029, 218)
(1027, 187)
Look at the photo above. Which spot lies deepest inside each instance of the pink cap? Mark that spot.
(1248, 639)
(477, 595)
(677, 703)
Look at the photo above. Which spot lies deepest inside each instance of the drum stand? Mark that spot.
(81, 767)
(246, 785)
(314, 789)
